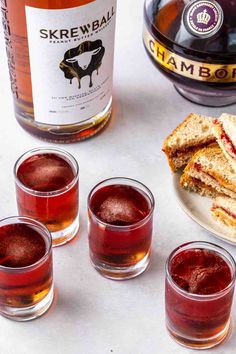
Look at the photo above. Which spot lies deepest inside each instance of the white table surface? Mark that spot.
(93, 315)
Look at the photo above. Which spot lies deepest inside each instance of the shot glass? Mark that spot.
(26, 269)
(120, 227)
(200, 281)
(47, 189)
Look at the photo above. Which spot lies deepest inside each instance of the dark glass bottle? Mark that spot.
(193, 43)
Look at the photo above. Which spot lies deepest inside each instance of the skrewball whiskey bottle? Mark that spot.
(193, 43)
(60, 55)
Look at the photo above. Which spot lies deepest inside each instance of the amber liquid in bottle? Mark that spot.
(17, 45)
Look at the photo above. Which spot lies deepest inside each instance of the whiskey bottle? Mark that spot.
(193, 43)
(60, 56)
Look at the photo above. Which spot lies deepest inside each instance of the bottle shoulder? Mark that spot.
(168, 19)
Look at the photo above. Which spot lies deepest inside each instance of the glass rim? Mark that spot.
(29, 221)
(57, 151)
(222, 252)
(123, 227)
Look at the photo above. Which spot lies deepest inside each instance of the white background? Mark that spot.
(93, 315)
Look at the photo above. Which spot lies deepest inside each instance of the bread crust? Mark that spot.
(214, 155)
(194, 185)
(217, 130)
(181, 160)
(226, 203)
(179, 155)
(167, 149)
(220, 215)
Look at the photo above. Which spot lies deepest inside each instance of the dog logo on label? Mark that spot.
(83, 61)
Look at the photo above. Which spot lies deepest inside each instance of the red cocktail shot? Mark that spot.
(199, 292)
(26, 271)
(47, 190)
(120, 227)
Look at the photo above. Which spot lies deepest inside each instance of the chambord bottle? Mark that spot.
(60, 56)
(193, 43)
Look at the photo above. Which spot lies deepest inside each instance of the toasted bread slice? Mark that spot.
(182, 157)
(194, 133)
(224, 130)
(195, 185)
(224, 210)
(210, 167)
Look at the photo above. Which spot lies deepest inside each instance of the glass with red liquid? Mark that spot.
(47, 190)
(120, 227)
(200, 281)
(26, 269)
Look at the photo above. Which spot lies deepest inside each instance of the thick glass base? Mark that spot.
(120, 273)
(23, 314)
(62, 133)
(61, 237)
(204, 99)
(201, 343)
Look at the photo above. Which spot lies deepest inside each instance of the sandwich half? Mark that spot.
(194, 133)
(195, 185)
(224, 211)
(224, 129)
(210, 174)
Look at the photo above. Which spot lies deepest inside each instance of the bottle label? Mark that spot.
(203, 18)
(9, 49)
(71, 61)
(170, 61)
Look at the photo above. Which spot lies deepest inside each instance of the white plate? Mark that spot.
(199, 209)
